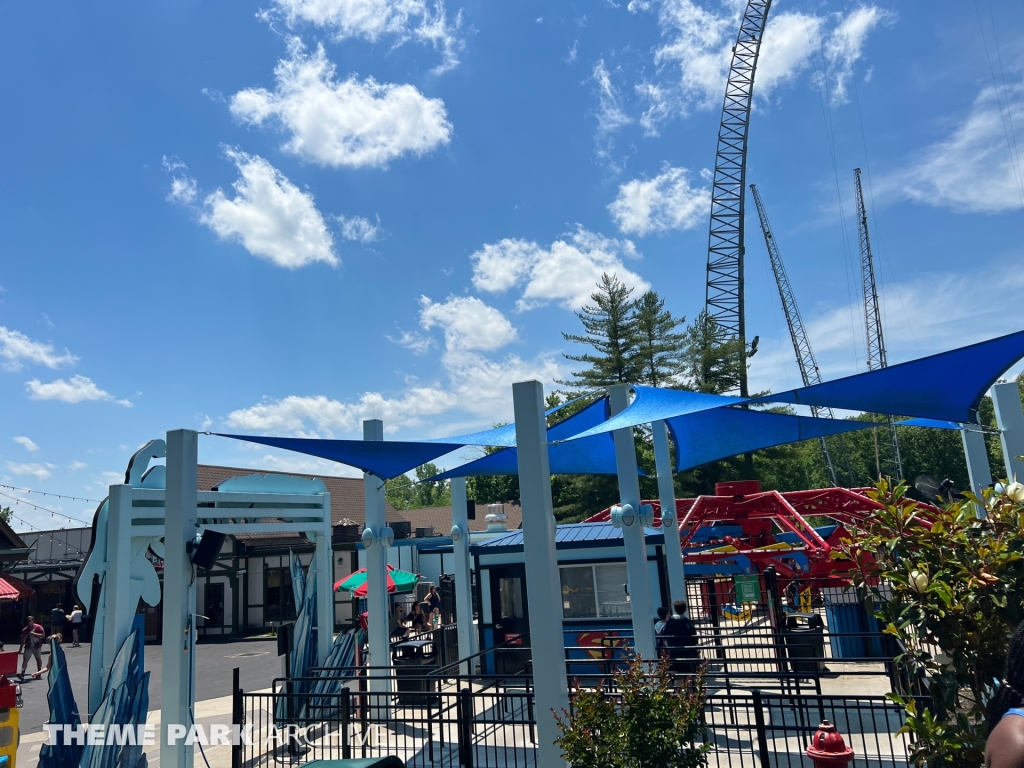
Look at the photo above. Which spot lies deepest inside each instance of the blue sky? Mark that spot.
(290, 217)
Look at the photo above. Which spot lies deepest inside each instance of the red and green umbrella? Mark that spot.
(397, 580)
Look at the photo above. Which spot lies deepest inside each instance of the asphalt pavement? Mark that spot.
(257, 661)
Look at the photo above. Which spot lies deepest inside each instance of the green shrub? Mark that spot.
(649, 723)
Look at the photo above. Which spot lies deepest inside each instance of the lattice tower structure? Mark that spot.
(873, 318)
(724, 296)
(809, 371)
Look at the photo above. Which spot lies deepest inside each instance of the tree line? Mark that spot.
(636, 340)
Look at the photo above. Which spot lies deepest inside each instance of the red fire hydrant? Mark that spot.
(827, 748)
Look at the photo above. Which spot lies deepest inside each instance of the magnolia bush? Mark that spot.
(947, 583)
(647, 723)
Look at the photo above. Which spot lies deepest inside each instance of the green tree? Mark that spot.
(610, 326)
(400, 492)
(5, 514)
(955, 582)
(403, 493)
(713, 358)
(659, 348)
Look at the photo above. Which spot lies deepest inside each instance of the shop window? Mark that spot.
(594, 591)
(278, 599)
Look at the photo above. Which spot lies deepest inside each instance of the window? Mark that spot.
(511, 593)
(278, 598)
(594, 591)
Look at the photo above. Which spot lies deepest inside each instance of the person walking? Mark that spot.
(76, 624)
(680, 640)
(31, 642)
(57, 618)
(1005, 745)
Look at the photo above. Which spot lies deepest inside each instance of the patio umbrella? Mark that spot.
(398, 581)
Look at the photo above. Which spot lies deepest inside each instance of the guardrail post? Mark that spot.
(346, 724)
(237, 719)
(762, 734)
(465, 728)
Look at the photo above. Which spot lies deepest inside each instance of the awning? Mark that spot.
(14, 589)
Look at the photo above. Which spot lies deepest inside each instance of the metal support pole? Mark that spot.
(376, 569)
(633, 535)
(1010, 420)
(977, 458)
(117, 614)
(551, 687)
(463, 587)
(670, 521)
(178, 685)
(325, 585)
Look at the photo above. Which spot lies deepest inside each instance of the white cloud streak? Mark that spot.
(401, 20)
(27, 443)
(972, 170)
(16, 349)
(38, 471)
(666, 202)
(566, 272)
(77, 389)
(349, 123)
(358, 228)
(269, 216)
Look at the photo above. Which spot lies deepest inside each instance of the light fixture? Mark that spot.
(387, 536)
(456, 533)
(368, 537)
(668, 520)
(623, 515)
(646, 515)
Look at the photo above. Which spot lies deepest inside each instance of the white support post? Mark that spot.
(117, 615)
(463, 592)
(376, 569)
(1010, 420)
(543, 586)
(325, 585)
(178, 685)
(669, 518)
(977, 461)
(633, 535)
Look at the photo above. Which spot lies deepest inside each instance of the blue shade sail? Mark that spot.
(947, 387)
(384, 458)
(653, 404)
(387, 459)
(722, 432)
(591, 456)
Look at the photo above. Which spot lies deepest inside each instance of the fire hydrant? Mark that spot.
(827, 748)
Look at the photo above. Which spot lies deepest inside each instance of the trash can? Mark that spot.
(413, 660)
(804, 637)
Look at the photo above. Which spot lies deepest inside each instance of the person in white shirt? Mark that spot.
(76, 624)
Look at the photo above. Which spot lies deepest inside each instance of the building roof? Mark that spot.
(441, 518)
(577, 535)
(59, 546)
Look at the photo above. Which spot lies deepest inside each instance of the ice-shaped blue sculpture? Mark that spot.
(63, 710)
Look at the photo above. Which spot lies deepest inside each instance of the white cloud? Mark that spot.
(304, 465)
(697, 45)
(484, 386)
(38, 471)
(78, 389)
(293, 413)
(27, 443)
(76, 465)
(371, 20)
(183, 187)
(417, 343)
(566, 272)
(349, 123)
(468, 323)
(360, 229)
(667, 201)
(16, 349)
(270, 216)
(972, 169)
(611, 115)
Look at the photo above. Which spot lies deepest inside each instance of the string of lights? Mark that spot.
(67, 547)
(53, 513)
(47, 493)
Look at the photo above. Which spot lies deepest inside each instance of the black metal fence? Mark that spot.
(478, 722)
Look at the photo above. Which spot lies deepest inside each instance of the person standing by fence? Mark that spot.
(680, 640)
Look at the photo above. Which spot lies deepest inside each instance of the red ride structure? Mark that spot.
(762, 516)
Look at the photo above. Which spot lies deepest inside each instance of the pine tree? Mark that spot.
(713, 357)
(659, 348)
(610, 326)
